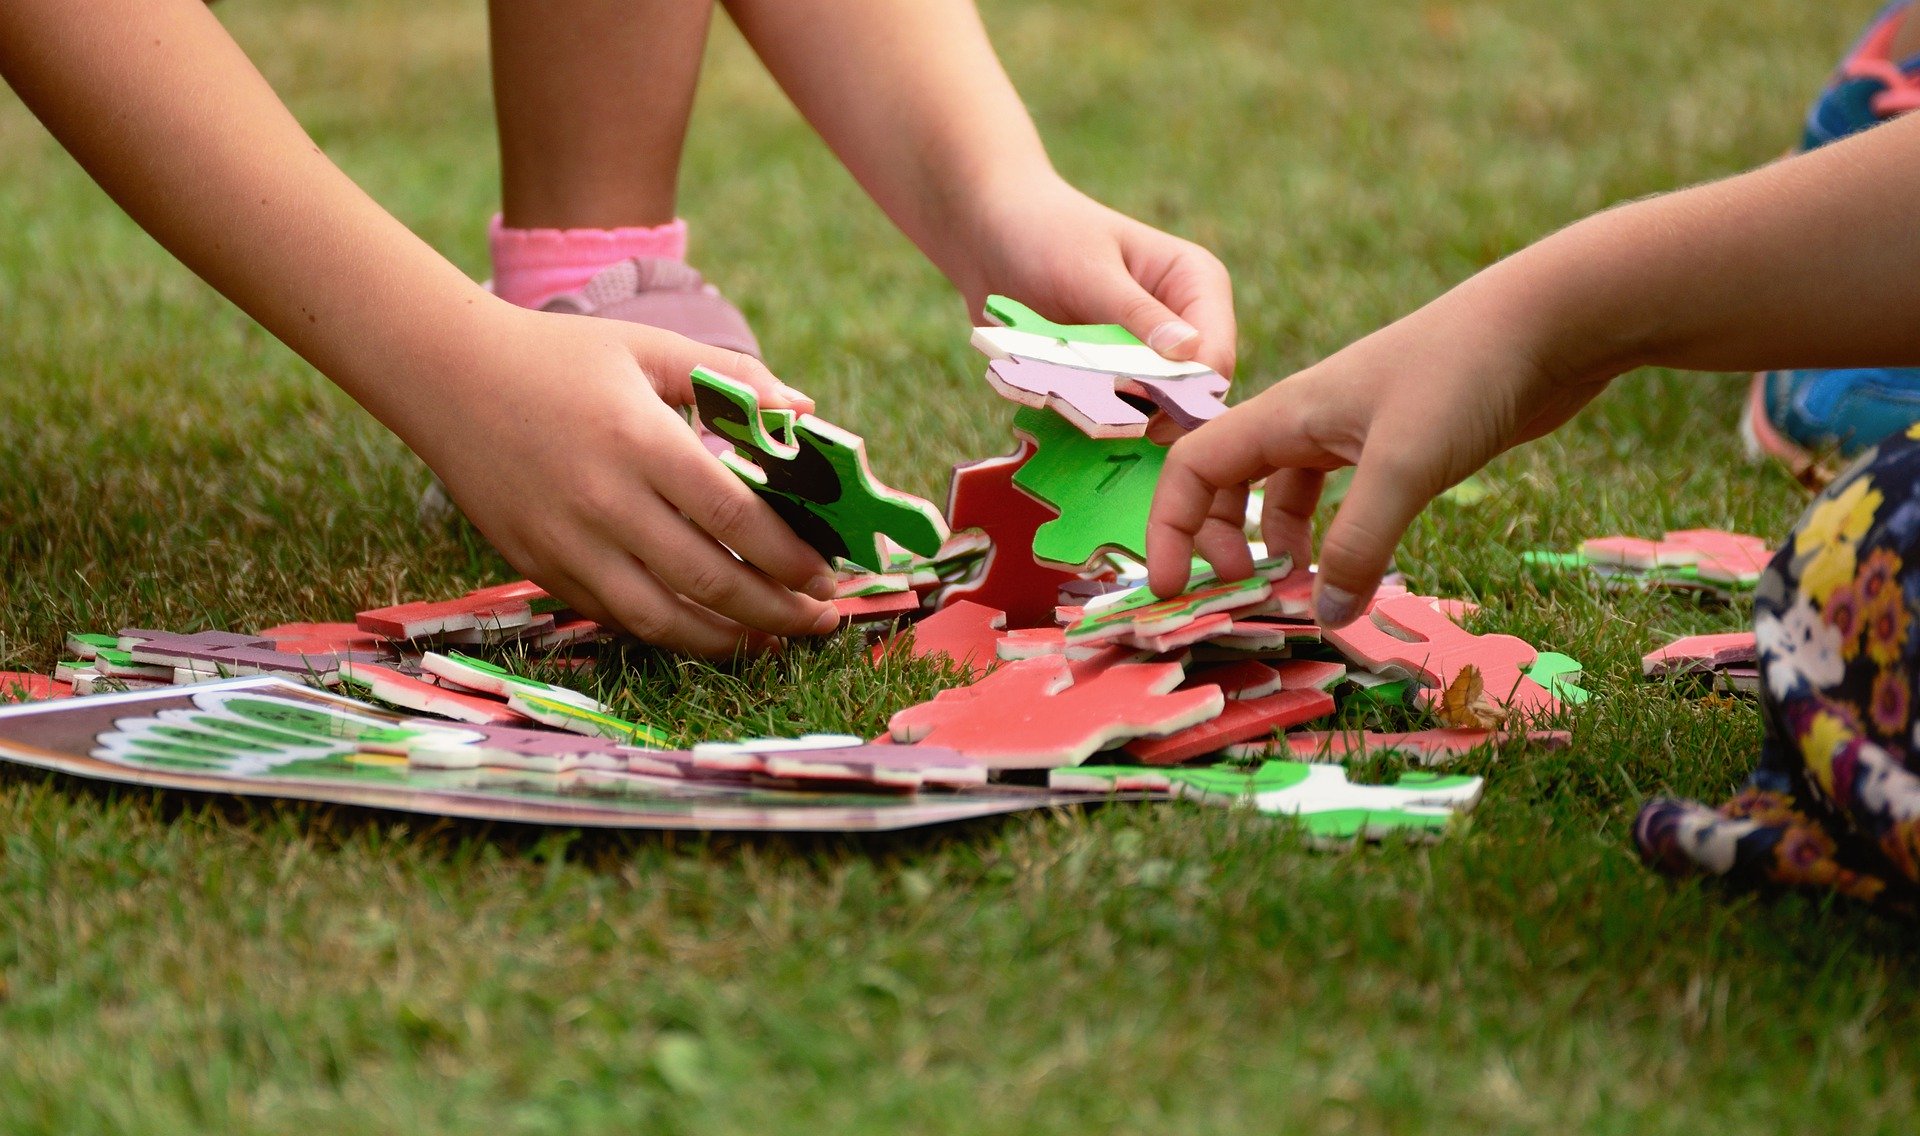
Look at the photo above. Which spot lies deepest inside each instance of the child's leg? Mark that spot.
(1801, 416)
(1835, 802)
(593, 99)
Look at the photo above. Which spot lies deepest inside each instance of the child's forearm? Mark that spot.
(164, 110)
(1808, 262)
(913, 100)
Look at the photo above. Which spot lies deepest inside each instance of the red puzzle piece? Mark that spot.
(1042, 714)
(1243, 719)
(23, 686)
(424, 620)
(1407, 635)
(1700, 653)
(982, 496)
(962, 631)
(1725, 557)
(887, 605)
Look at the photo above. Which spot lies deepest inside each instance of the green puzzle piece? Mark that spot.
(1102, 488)
(1559, 674)
(1020, 317)
(815, 476)
(1319, 796)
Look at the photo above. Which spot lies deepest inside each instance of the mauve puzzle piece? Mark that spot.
(1102, 489)
(1406, 635)
(962, 631)
(1190, 401)
(1723, 557)
(843, 761)
(1130, 359)
(1700, 653)
(1040, 714)
(820, 484)
(1084, 398)
(982, 496)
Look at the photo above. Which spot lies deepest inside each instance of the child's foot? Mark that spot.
(1803, 418)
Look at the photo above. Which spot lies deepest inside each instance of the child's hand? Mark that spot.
(562, 445)
(1074, 260)
(1416, 407)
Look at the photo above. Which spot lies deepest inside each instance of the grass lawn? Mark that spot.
(177, 965)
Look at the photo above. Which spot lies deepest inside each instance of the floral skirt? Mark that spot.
(1835, 802)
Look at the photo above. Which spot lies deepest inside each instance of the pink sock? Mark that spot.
(532, 266)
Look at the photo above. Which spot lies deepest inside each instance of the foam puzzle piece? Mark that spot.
(511, 747)
(867, 609)
(1332, 810)
(425, 620)
(1700, 653)
(1102, 489)
(1560, 674)
(1718, 556)
(1244, 679)
(1085, 398)
(981, 495)
(1014, 314)
(83, 645)
(468, 673)
(1200, 630)
(1310, 674)
(318, 638)
(565, 714)
(816, 478)
(397, 689)
(962, 631)
(1139, 612)
(132, 638)
(1424, 747)
(843, 760)
(1131, 359)
(1405, 636)
(1191, 401)
(23, 686)
(1242, 719)
(1039, 714)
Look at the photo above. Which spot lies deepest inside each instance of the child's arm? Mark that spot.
(912, 98)
(548, 429)
(1808, 262)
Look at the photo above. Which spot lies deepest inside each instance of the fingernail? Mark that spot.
(1335, 607)
(792, 395)
(828, 620)
(821, 587)
(1169, 336)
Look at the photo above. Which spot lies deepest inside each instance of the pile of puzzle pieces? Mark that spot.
(1709, 563)
(1028, 587)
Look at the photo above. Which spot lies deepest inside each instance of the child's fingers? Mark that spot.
(669, 361)
(1122, 299)
(694, 566)
(1387, 493)
(1222, 539)
(698, 485)
(1223, 454)
(1286, 515)
(1199, 288)
(627, 595)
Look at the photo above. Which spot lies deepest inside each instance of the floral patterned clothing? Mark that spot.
(1835, 802)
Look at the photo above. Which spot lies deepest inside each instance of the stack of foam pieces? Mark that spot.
(1065, 669)
(1728, 660)
(1709, 563)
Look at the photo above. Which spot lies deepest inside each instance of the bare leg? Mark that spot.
(592, 98)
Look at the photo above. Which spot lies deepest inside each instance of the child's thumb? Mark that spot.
(1156, 325)
(1358, 546)
(669, 366)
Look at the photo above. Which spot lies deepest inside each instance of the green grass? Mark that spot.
(174, 964)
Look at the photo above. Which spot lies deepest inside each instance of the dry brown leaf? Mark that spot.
(1465, 703)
